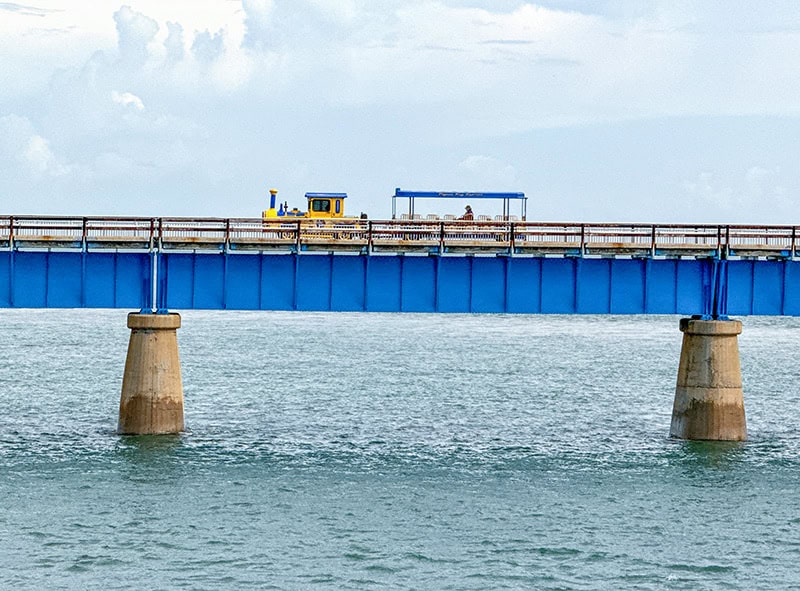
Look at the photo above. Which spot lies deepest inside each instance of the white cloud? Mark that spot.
(127, 99)
(20, 144)
(134, 32)
(174, 42)
(40, 158)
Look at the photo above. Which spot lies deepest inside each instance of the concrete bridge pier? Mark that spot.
(152, 390)
(709, 402)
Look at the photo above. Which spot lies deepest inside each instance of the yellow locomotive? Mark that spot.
(320, 206)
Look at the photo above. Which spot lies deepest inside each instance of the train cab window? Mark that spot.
(338, 206)
(323, 205)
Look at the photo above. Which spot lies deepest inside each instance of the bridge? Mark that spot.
(407, 265)
(402, 265)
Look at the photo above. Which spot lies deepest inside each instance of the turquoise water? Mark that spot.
(372, 451)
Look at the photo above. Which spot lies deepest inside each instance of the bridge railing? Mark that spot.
(398, 235)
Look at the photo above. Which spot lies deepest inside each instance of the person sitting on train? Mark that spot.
(467, 214)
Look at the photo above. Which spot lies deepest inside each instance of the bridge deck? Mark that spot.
(411, 236)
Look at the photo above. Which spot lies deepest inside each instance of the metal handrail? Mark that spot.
(441, 234)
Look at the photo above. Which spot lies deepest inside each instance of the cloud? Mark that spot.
(257, 22)
(24, 10)
(164, 96)
(127, 99)
(135, 31)
(174, 42)
(40, 158)
(21, 145)
(207, 47)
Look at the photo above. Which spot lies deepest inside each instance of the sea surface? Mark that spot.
(393, 451)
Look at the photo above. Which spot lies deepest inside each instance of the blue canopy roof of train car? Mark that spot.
(326, 195)
(506, 198)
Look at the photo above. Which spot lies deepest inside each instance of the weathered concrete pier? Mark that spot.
(152, 389)
(709, 402)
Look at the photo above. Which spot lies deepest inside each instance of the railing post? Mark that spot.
(727, 241)
(84, 233)
(653, 241)
(441, 237)
(583, 239)
(512, 239)
(794, 238)
(297, 236)
(11, 232)
(227, 234)
(369, 236)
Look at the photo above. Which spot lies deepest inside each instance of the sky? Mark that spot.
(665, 111)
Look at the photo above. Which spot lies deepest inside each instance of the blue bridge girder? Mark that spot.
(398, 266)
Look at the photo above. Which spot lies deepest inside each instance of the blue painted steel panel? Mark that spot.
(348, 283)
(593, 289)
(454, 284)
(524, 285)
(132, 280)
(768, 297)
(30, 279)
(662, 279)
(179, 269)
(314, 282)
(489, 284)
(740, 287)
(277, 281)
(395, 283)
(627, 286)
(691, 276)
(5, 279)
(99, 289)
(419, 284)
(64, 278)
(208, 281)
(242, 291)
(558, 286)
(383, 283)
(791, 303)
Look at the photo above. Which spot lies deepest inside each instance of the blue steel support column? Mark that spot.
(715, 300)
(161, 299)
(148, 285)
